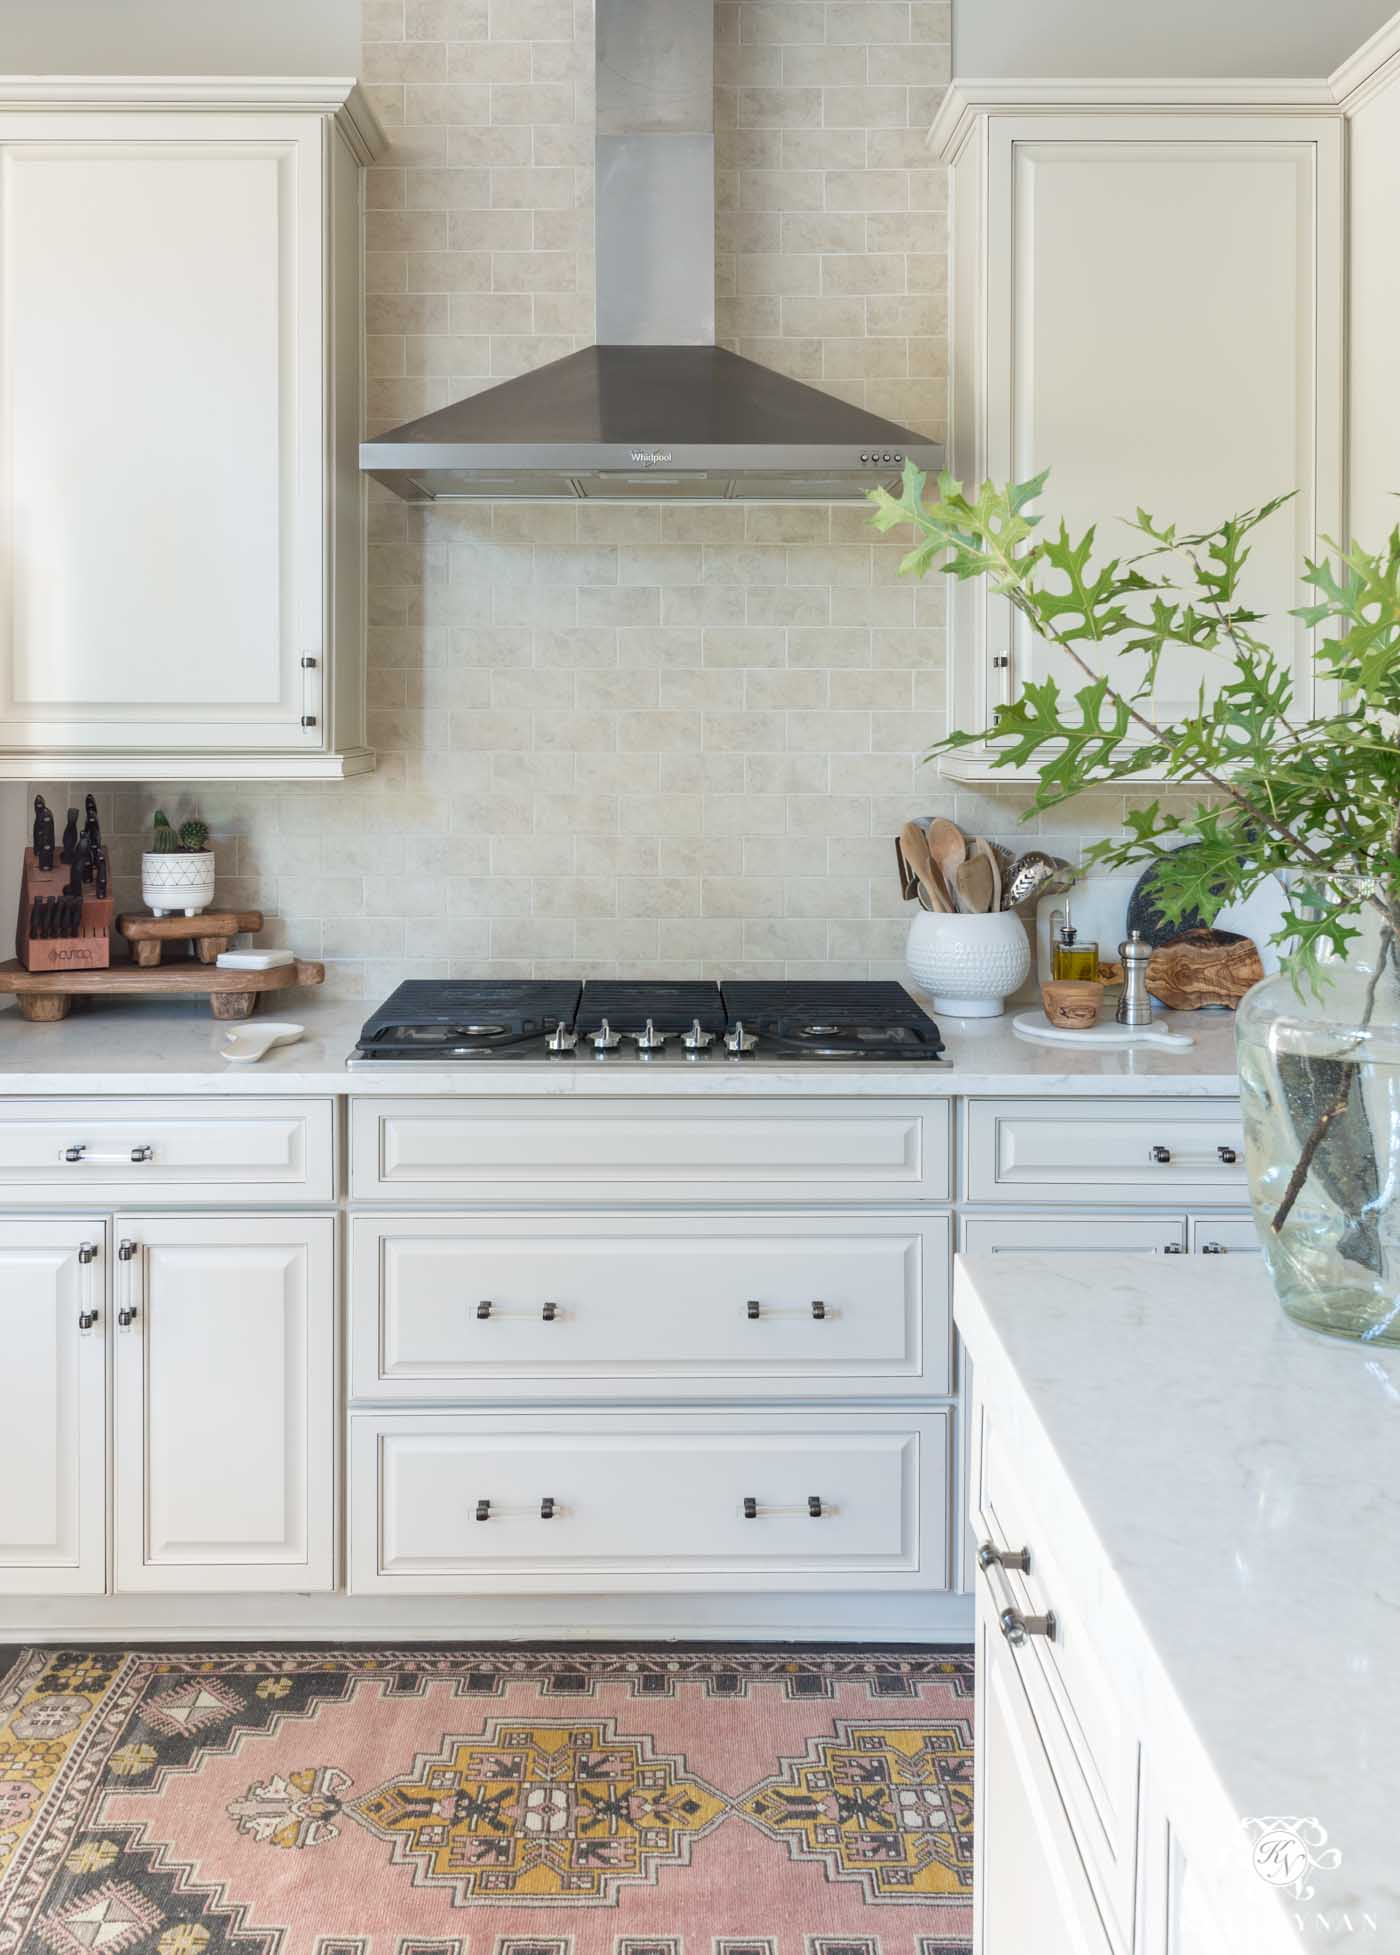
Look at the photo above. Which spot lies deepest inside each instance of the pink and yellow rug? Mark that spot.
(486, 1802)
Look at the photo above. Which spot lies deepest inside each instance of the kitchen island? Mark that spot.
(1188, 1597)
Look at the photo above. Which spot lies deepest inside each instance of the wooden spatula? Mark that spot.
(984, 848)
(973, 882)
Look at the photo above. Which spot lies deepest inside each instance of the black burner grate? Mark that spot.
(813, 1015)
(627, 1005)
(430, 1012)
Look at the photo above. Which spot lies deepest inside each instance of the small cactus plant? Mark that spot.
(194, 836)
(164, 841)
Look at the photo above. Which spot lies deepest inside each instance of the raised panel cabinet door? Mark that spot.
(162, 525)
(1137, 389)
(225, 1416)
(53, 1407)
(1030, 1889)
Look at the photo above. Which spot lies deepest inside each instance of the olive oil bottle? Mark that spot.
(1071, 959)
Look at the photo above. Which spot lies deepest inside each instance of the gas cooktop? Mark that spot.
(607, 1020)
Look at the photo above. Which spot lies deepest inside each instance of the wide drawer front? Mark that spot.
(628, 1307)
(1092, 1750)
(665, 1150)
(1167, 1151)
(460, 1502)
(72, 1150)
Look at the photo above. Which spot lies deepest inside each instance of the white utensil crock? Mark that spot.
(178, 883)
(969, 964)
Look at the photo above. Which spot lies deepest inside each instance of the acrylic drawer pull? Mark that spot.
(814, 1509)
(133, 1157)
(753, 1310)
(486, 1309)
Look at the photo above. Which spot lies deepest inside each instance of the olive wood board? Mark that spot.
(44, 997)
(210, 933)
(1035, 1025)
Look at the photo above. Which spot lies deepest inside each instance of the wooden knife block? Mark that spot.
(90, 950)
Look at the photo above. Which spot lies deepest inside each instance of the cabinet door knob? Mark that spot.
(1228, 1156)
(483, 1510)
(1161, 1156)
(814, 1506)
(550, 1313)
(750, 1508)
(483, 1310)
(752, 1310)
(547, 1509)
(819, 1312)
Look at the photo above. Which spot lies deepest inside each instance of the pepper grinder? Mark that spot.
(1134, 1006)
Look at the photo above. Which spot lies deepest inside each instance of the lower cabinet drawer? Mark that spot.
(658, 1150)
(1092, 1750)
(1180, 1153)
(458, 1503)
(225, 1150)
(638, 1306)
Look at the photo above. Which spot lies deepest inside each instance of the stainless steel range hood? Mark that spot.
(655, 411)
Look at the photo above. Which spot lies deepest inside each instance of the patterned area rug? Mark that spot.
(486, 1802)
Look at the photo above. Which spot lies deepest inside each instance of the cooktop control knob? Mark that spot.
(697, 1038)
(736, 1039)
(561, 1039)
(649, 1039)
(605, 1039)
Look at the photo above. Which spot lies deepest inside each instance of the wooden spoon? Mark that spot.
(973, 882)
(913, 846)
(947, 846)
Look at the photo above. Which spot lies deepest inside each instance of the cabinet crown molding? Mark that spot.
(1374, 67)
(337, 96)
(968, 99)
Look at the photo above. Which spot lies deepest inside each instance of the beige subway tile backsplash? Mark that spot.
(662, 739)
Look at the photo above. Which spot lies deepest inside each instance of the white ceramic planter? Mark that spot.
(172, 884)
(969, 964)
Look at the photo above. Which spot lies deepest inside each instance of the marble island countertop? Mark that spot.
(172, 1048)
(1238, 1476)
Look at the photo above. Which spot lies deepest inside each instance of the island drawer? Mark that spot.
(207, 1150)
(1170, 1151)
(548, 1149)
(1077, 1708)
(569, 1502)
(633, 1306)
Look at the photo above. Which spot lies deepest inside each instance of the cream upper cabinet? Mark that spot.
(1149, 302)
(180, 506)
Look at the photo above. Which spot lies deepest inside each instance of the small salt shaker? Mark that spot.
(1134, 1006)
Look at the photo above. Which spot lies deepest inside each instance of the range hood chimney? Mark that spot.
(655, 411)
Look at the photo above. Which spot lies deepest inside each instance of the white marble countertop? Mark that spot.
(163, 1047)
(1243, 1480)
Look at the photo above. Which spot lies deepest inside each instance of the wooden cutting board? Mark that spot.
(46, 996)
